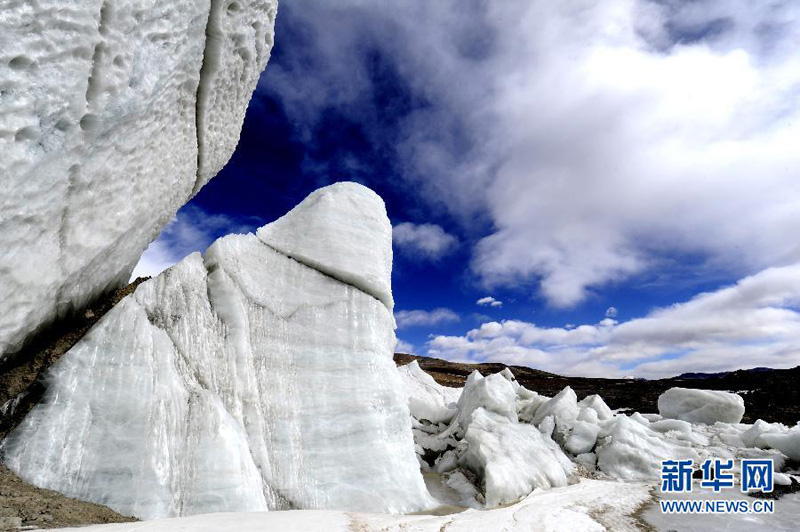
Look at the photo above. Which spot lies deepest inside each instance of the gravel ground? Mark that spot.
(23, 505)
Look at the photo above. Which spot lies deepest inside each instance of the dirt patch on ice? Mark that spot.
(448, 498)
(778, 491)
(30, 506)
(638, 515)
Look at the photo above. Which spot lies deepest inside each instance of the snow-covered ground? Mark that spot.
(590, 505)
(785, 516)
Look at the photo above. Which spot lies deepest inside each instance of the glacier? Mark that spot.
(499, 466)
(495, 443)
(240, 380)
(617, 492)
(114, 113)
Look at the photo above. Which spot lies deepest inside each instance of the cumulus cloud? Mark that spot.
(611, 312)
(191, 230)
(428, 241)
(404, 347)
(416, 318)
(489, 301)
(758, 318)
(598, 138)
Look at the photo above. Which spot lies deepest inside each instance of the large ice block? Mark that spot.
(701, 406)
(238, 381)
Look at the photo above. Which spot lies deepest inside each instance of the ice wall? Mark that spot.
(238, 381)
(113, 113)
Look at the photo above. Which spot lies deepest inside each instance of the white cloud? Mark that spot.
(155, 259)
(428, 241)
(754, 322)
(489, 301)
(611, 312)
(191, 230)
(624, 146)
(416, 318)
(404, 347)
(597, 137)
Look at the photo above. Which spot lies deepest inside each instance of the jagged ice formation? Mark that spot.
(239, 380)
(494, 442)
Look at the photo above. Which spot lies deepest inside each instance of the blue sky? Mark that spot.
(622, 179)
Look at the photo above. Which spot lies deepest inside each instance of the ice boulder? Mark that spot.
(427, 399)
(628, 450)
(582, 438)
(589, 415)
(564, 410)
(242, 380)
(564, 406)
(596, 403)
(788, 442)
(494, 393)
(511, 459)
(753, 437)
(114, 113)
(509, 376)
(701, 406)
(529, 403)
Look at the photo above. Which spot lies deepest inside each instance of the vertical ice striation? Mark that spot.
(108, 125)
(242, 380)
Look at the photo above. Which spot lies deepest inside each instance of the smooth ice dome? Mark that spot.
(347, 213)
(701, 406)
(109, 126)
(241, 380)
